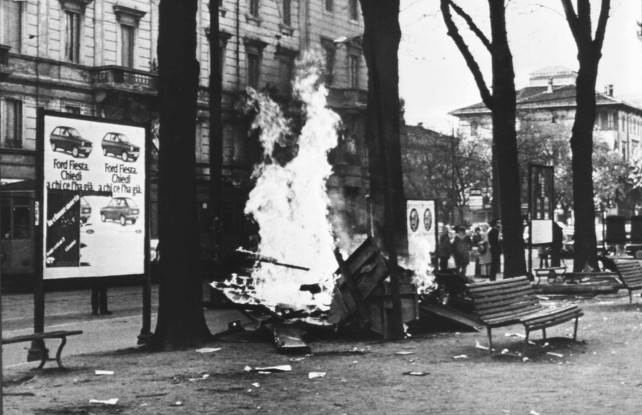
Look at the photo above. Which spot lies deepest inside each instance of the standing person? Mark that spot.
(461, 250)
(476, 240)
(484, 257)
(444, 248)
(495, 248)
(99, 300)
(556, 247)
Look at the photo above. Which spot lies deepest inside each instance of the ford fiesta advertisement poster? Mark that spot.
(93, 197)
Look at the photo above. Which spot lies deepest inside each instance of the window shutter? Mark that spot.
(12, 24)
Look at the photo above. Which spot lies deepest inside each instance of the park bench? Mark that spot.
(38, 341)
(554, 275)
(513, 301)
(630, 272)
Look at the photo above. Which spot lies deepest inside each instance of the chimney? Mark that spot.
(609, 90)
(549, 89)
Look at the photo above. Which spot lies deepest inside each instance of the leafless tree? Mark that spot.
(589, 52)
(502, 104)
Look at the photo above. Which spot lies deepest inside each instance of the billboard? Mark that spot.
(93, 197)
(421, 221)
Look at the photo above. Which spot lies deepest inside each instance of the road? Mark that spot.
(71, 310)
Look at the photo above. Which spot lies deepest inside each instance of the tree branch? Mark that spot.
(453, 32)
(571, 17)
(473, 27)
(601, 24)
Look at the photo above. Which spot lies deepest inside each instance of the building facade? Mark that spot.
(98, 58)
(548, 105)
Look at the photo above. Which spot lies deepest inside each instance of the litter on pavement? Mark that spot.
(111, 401)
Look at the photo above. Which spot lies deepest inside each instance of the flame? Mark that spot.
(289, 201)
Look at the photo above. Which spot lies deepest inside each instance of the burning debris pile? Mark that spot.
(299, 273)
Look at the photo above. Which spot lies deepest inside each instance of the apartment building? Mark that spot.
(98, 58)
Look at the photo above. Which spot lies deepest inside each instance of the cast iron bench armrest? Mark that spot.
(513, 301)
(551, 273)
(38, 338)
(630, 272)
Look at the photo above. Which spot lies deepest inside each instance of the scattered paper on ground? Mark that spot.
(404, 352)
(104, 372)
(514, 335)
(480, 346)
(313, 375)
(416, 373)
(281, 368)
(208, 349)
(555, 354)
(111, 401)
(461, 356)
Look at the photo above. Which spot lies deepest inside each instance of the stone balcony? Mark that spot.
(124, 79)
(347, 98)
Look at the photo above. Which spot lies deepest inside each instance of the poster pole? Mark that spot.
(145, 332)
(36, 349)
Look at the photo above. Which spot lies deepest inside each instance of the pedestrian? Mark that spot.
(461, 250)
(542, 254)
(444, 248)
(484, 257)
(495, 248)
(476, 240)
(556, 246)
(99, 300)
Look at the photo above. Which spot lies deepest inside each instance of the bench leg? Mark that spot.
(544, 334)
(490, 341)
(526, 342)
(577, 319)
(630, 297)
(63, 341)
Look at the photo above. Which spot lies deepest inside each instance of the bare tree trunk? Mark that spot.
(216, 128)
(589, 55)
(505, 143)
(380, 45)
(181, 322)
(502, 104)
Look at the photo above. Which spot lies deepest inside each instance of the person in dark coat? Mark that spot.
(556, 246)
(444, 248)
(495, 248)
(461, 250)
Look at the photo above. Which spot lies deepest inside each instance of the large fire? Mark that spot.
(290, 201)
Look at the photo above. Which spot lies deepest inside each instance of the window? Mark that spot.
(72, 36)
(610, 121)
(330, 53)
(253, 68)
(474, 129)
(254, 8)
(12, 124)
(329, 5)
(11, 13)
(254, 51)
(127, 46)
(353, 71)
(15, 212)
(128, 19)
(354, 9)
(286, 72)
(287, 12)
(72, 109)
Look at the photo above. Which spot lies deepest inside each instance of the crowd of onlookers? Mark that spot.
(457, 247)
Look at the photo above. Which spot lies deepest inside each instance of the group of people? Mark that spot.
(484, 248)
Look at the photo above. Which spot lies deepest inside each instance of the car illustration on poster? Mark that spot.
(121, 209)
(118, 145)
(69, 140)
(85, 210)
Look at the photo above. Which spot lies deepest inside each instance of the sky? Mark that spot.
(435, 80)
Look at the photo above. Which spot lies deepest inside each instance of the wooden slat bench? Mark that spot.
(630, 272)
(38, 339)
(513, 301)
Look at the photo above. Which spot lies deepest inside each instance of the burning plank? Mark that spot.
(269, 260)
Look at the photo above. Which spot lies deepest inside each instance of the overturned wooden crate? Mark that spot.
(363, 296)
